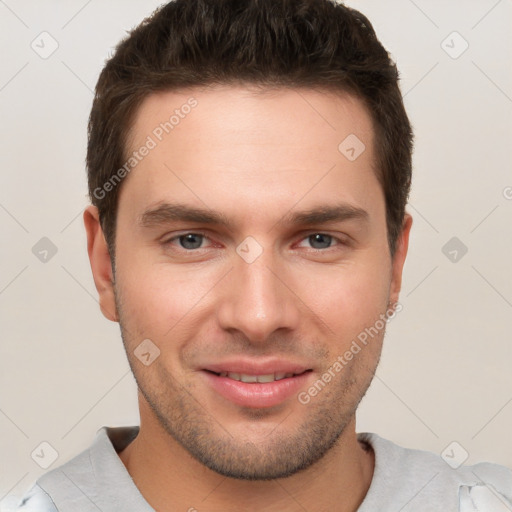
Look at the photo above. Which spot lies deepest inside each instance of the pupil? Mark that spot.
(191, 241)
(322, 241)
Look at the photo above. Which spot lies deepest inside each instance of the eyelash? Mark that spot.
(339, 241)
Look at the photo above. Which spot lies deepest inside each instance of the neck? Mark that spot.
(170, 479)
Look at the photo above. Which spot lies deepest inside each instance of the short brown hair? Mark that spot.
(318, 44)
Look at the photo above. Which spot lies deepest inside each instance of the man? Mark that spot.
(249, 166)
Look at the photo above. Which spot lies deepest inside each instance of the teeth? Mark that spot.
(271, 377)
(248, 378)
(266, 378)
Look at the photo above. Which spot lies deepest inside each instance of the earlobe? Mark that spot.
(101, 264)
(402, 246)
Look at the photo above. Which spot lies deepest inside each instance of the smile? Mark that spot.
(257, 390)
(243, 377)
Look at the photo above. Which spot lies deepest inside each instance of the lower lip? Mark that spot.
(257, 394)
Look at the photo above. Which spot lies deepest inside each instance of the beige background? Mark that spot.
(445, 373)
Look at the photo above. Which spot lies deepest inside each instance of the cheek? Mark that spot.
(347, 298)
(157, 299)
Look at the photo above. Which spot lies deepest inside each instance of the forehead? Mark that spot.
(261, 112)
(251, 146)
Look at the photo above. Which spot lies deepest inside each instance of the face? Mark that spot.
(252, 252)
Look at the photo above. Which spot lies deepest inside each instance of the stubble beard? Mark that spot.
(288, 448)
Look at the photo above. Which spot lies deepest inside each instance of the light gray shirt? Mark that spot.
(404, 480)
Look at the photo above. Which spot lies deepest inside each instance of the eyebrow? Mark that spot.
(319, 215)
(166, 213)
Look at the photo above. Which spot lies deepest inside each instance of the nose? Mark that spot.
(256, 299)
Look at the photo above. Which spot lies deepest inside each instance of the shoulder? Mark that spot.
(36, 500)
(411, 477)
(53, 487)
(96, 475)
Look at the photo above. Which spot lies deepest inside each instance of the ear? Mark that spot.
(101, 264)
(402, 244)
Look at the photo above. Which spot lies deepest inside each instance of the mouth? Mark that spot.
(257, 389)
(262, 379)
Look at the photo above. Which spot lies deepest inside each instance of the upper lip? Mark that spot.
(257, 367)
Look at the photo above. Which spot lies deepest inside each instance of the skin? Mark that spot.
(255, 157)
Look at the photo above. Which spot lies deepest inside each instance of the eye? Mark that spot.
(320, 240)
(188, 241)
